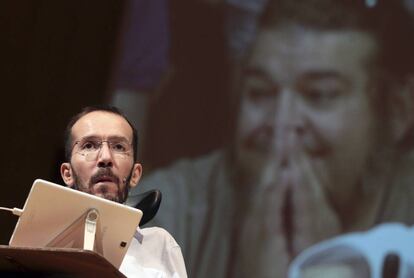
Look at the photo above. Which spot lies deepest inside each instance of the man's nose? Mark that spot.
(105, 158)
(288, 121)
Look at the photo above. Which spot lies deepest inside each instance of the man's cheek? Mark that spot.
(324, 135)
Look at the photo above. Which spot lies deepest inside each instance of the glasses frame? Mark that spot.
(93, 155)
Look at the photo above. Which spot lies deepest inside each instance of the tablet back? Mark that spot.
(52, 210)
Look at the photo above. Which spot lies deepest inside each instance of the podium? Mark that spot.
(54, 262)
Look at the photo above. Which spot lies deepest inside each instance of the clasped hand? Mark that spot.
(288, 212)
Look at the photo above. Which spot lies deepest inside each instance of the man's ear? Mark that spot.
(136, 175)
(402, 112)
(67, 175)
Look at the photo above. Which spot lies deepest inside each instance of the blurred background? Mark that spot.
(166, 64)
(167, 57)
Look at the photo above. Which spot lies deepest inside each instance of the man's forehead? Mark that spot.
(293, 49)
(101, 124)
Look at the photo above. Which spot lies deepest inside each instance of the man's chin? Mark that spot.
(106, 191)
(108, 196)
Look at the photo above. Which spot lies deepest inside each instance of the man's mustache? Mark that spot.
(104, 173)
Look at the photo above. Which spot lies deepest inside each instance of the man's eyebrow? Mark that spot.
(324, 74)
(118, 138)
(89, 137)
(96, 137)
(256, 73)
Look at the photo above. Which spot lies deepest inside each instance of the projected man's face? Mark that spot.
(102, 157)
(306, 91)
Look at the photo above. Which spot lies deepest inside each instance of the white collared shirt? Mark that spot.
(154, 253)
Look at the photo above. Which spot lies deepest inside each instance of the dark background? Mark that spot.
(57, 57)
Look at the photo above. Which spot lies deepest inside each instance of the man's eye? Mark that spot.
(119, 147)
(322, 92)
(258, 94)
(89, 145)
(321, 96)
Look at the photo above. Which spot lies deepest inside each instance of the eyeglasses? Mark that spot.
(90, 148)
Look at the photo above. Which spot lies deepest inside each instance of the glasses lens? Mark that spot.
(91, 149)
(91, 156)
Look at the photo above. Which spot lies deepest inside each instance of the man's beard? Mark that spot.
(104, 172)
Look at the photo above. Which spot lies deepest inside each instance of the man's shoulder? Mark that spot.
(158, 242)
(154, 249)
(158, 234)
(185, 171)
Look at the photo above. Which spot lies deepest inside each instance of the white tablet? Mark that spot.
(54, 216)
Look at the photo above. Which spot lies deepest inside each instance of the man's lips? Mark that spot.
(105, 179)
(105, 185)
